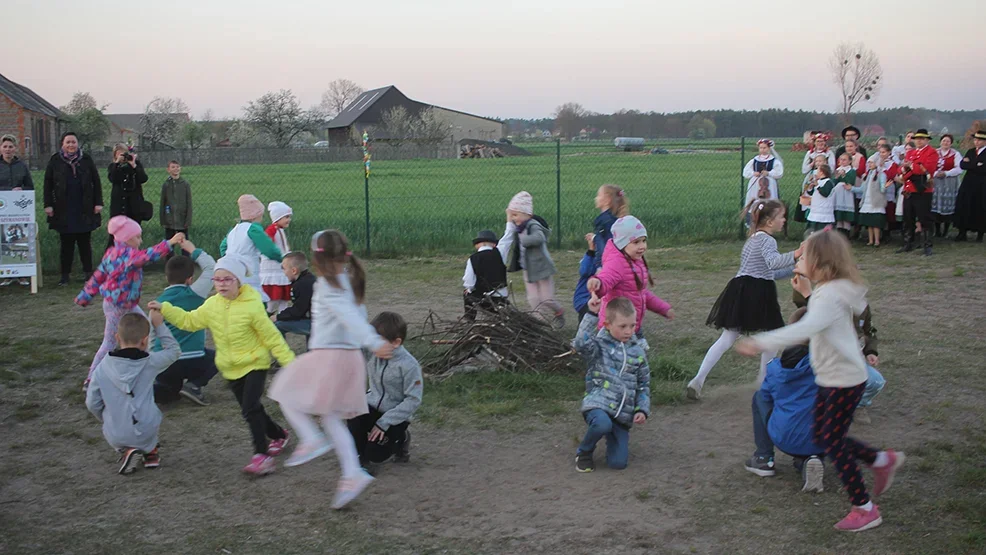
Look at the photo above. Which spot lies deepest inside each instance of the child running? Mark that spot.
(330, 379)
(617, 382)
(121, 394)
(119, 279)
(276, 284)
(248, 240)
(840, 371)
(244, 338)
(525, 240)
(625, 274)
(749, 302)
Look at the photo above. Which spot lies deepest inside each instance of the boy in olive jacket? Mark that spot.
(176, 203)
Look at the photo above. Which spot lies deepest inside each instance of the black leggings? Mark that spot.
(69, 240)
(248, 391)
(834, 408)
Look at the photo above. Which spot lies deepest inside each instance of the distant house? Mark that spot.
(125, 127)
(368, 109)
(33, 120)
(874, 131)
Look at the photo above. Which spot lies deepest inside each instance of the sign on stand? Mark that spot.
(18, 237)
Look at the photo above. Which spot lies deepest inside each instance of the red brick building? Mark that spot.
(33, 120)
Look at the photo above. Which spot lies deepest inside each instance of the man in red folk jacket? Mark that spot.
(918, 173)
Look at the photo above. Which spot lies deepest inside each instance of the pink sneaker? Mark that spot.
(260, 465)
(860, 519)
(277, 446)
(883, 476)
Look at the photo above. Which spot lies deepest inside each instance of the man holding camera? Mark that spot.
(127, 198)
(919, 169)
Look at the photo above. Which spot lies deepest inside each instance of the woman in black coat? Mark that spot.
(73, 200)
(128, 177)
(970, 204)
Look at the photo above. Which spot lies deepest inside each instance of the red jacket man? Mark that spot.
(923, 162)
(918, 170)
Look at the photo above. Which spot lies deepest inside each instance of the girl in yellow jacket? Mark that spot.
(244, 337)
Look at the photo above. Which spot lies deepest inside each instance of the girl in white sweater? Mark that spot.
(840, 370)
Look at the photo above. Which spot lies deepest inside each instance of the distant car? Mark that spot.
(321, 144)
(658, 150)
(504, 141)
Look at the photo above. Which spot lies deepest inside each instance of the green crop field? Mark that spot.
(428, 206)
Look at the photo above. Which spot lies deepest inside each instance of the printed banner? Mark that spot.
(18, 232)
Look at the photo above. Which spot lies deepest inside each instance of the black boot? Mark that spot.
(961, 237)
(927, 243)
(937, 229)
(979, 237)
(908, 243)
(945, 229)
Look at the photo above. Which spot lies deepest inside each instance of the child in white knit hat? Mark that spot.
(524, 247)
(276, 285)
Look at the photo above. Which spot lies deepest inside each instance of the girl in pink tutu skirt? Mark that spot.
(329, 380)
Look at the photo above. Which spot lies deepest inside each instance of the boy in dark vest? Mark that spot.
(485, 280)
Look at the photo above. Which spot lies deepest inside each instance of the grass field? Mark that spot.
(491, 468)
(431, 206)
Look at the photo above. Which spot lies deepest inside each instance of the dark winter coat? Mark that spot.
(127, 197)
(176, 204)
(56, 194)
(15, 174)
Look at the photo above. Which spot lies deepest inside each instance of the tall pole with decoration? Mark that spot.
(366, 185)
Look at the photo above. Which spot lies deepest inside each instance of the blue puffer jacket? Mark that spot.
(603, 228)
(586, 270)
(790, 386)
(617, 379)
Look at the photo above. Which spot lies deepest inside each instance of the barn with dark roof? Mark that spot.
(367, 112)
(35, 122)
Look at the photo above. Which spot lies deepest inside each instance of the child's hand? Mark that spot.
(376, 434)
(273, 317)
(847, 186)
(801, 284)
(670, 314)
(748, 347)
(156, 318)
(873, 360)
(595, 303)
(153, 305)
(593, 284)
(639, 418)
(799, 251)
(590, 239)
(81, 302)
(188, 246)
(176, 239)
(385, 351)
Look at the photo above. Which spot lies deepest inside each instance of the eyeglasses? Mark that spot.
(223, 281)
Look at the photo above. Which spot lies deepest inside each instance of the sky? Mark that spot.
(498, 58)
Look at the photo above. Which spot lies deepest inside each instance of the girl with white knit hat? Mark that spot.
(524, 247)
(276, 285)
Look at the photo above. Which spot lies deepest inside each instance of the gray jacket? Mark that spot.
(395, 387)
(121, 393)
(532, 246)
(617, 379)
(15, 174)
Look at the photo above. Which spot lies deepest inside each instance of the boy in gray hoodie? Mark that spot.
(121, 393)
(394, 396)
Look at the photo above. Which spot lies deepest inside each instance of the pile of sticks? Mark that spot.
(480, 151)
(502, 339)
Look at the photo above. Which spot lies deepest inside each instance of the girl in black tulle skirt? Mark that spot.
(749, 304)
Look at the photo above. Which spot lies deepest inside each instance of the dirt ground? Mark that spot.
(482, 481)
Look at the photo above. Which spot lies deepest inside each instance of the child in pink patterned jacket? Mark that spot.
(625, 272)
(119, 279)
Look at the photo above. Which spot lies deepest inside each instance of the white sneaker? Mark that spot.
(24, 281)
(813, 472)
(350, 488)
(694, 391)
(306, 453)
(6, 282)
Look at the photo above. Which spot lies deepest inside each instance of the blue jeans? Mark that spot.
(874, 385)
(601, 424)
(761, 415)
(300, 327)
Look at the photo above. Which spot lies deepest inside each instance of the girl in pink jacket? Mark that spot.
(625, 272)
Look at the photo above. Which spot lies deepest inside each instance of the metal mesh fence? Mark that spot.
(420, 200)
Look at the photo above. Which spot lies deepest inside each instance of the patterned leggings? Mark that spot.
(113, 314)
(834, 407)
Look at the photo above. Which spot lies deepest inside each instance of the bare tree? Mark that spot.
(569, 118)
(86, 118)
(432, 127)
(163, 120)
(207, 115)
(279, 116)
(857, 72)
(339, 95)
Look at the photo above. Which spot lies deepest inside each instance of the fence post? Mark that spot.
(558, 192)
(742, 189)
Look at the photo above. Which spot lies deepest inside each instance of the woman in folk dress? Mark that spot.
(946, 185)
(767, 164)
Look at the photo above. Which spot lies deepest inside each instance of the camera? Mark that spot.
(128, 157)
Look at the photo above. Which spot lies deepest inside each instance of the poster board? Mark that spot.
(18, 236)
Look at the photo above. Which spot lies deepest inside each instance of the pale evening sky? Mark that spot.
(502, 58)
